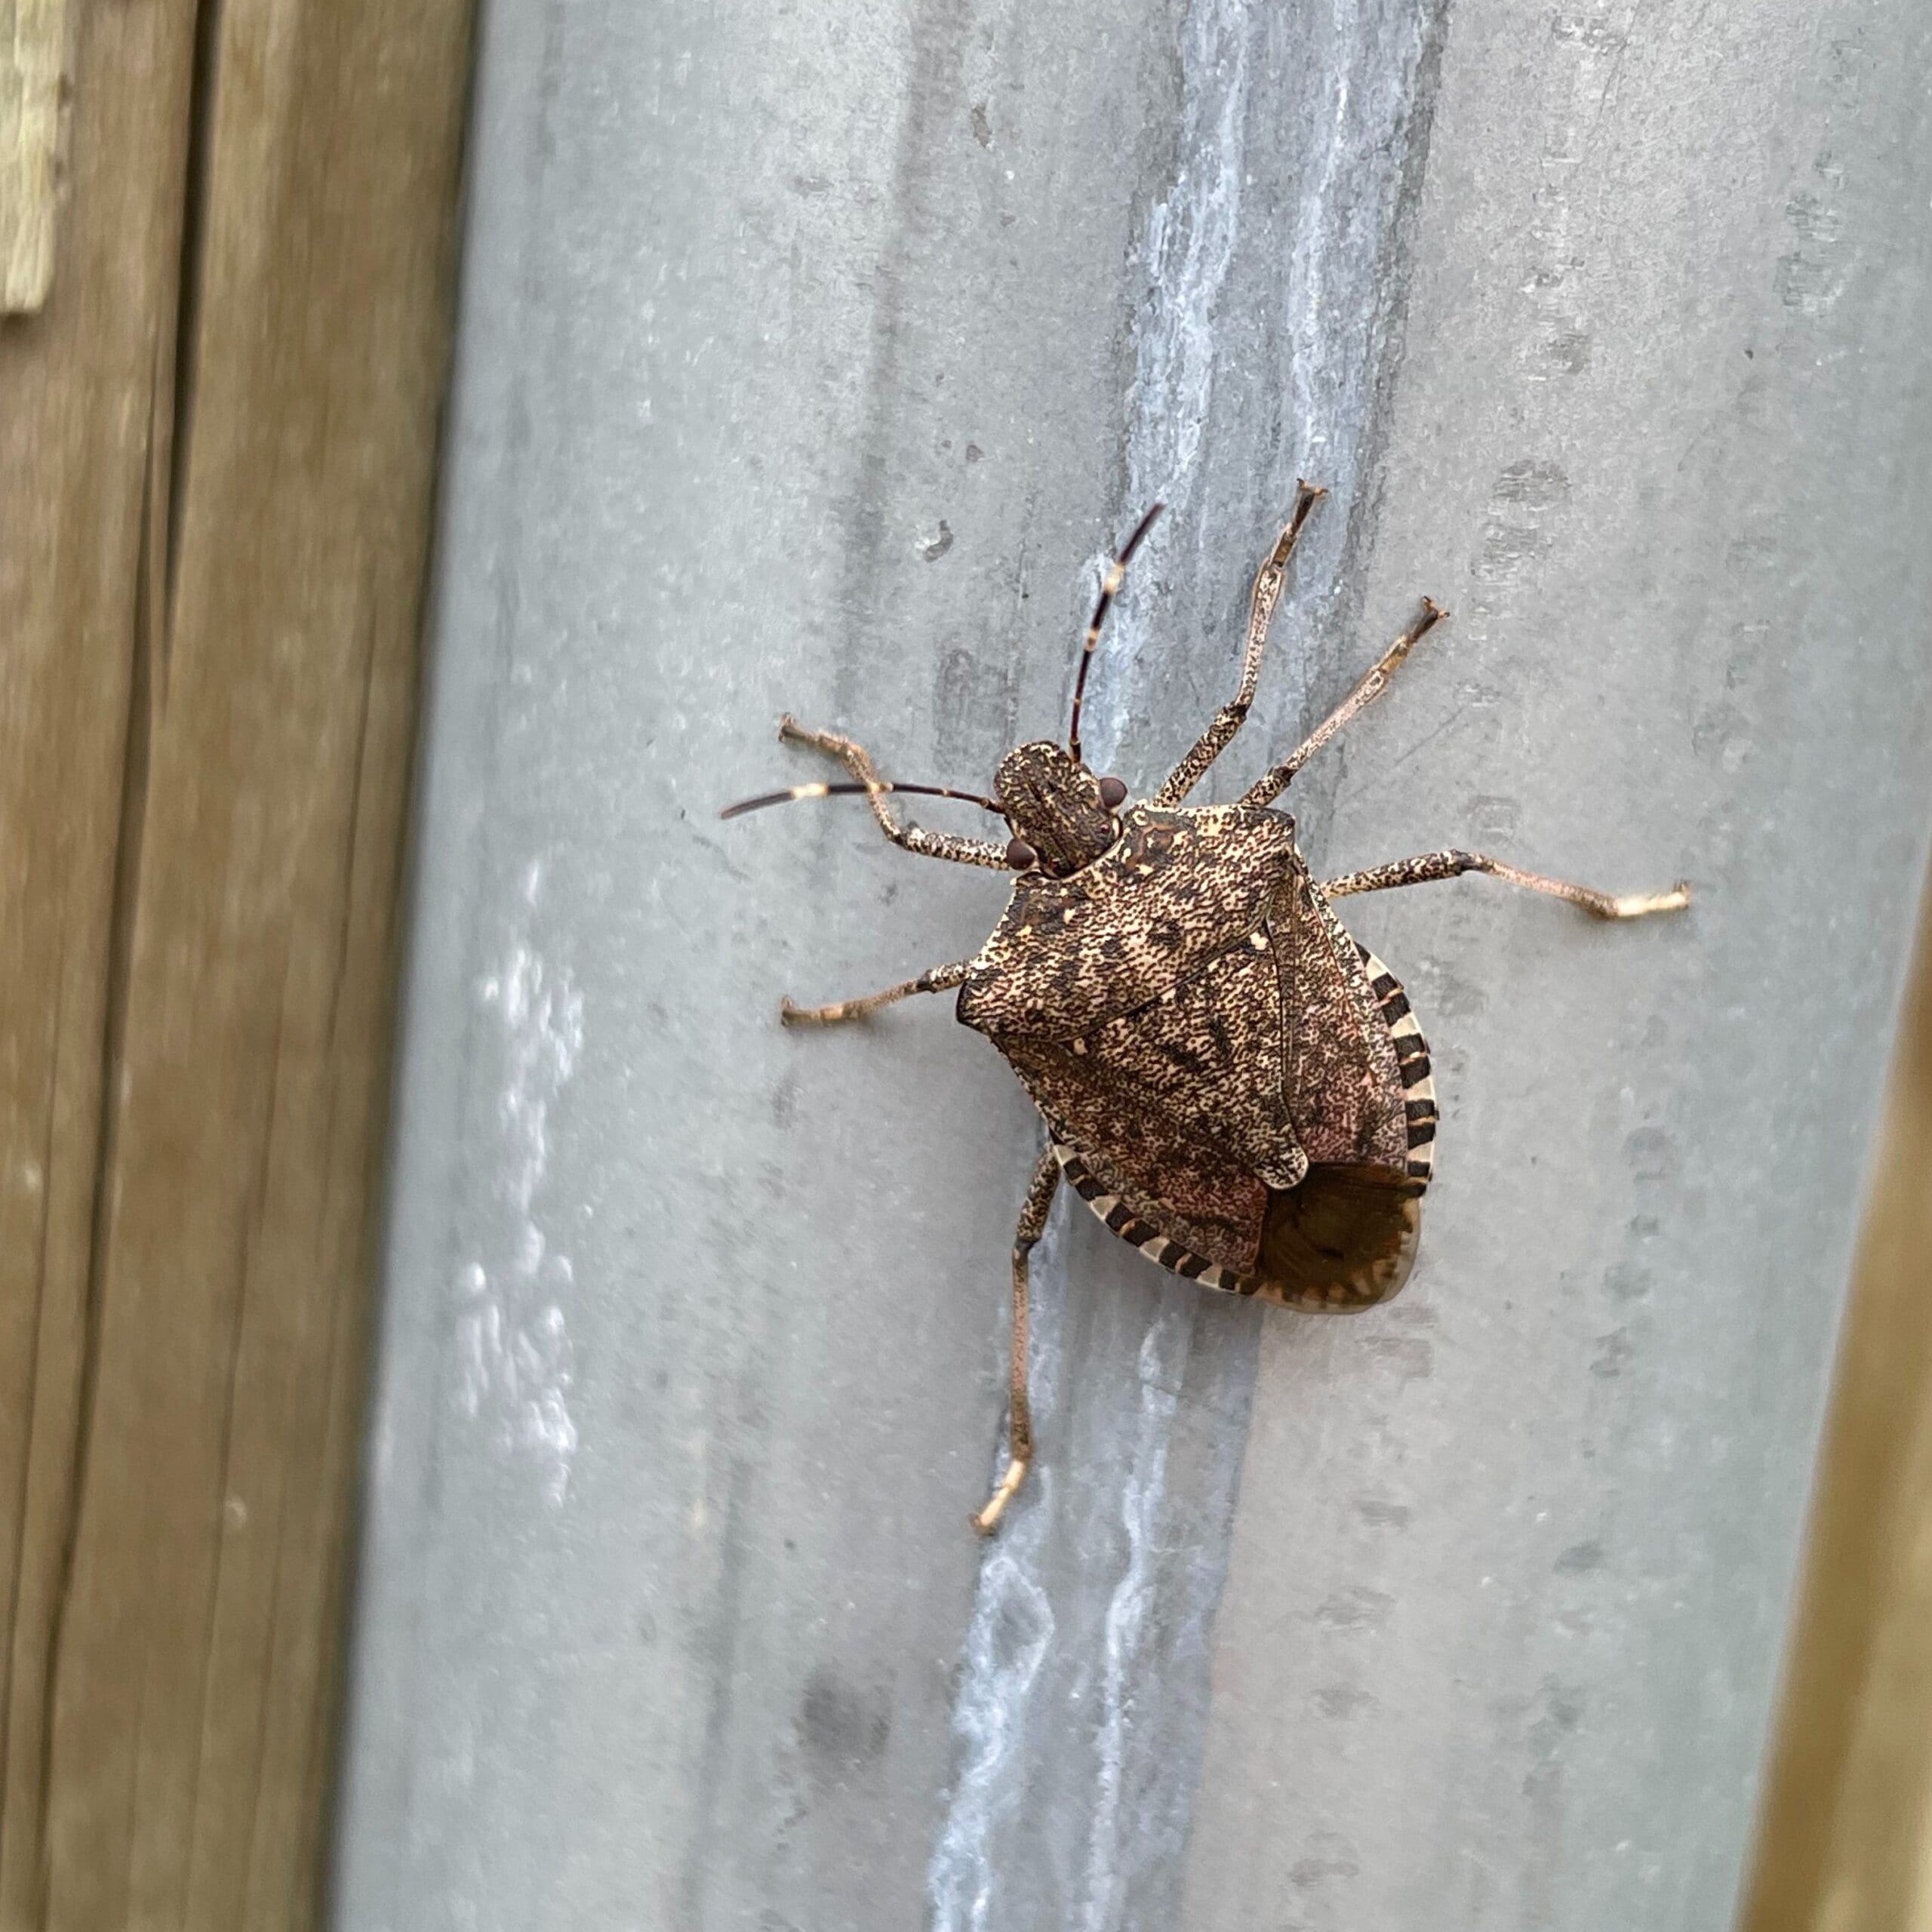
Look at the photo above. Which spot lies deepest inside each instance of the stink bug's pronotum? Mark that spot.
(1227, 1080)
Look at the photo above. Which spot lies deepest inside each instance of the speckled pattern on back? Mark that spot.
(1197, 1027)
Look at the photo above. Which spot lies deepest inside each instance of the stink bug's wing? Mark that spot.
(1166, 1179)
(1206, 1059)
(1164, 1234)
(1365, 1104)
(1343, 1079)
(1345, 1238)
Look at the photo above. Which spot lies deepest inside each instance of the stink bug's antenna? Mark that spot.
(840, 791)
(1111, 582)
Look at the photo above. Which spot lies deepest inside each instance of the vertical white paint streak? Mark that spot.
(1190, 239)
(1331, 296)
(1006, 1642)
(1308, 274)
(1163, 1353)
(1071, 1798)
(1190, 244)
(514, 1343)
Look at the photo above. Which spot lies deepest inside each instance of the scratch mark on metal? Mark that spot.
(515, 1345)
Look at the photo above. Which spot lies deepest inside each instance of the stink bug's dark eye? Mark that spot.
(1113, 793)
(1020, 855)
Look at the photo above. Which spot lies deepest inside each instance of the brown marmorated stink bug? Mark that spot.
(1227, 1080)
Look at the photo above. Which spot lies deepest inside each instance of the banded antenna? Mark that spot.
(1109, 584)
(759, 805)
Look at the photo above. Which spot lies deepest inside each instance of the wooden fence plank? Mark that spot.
(85, 421)
(1845, 1836)
(33, 66)
(200, 915)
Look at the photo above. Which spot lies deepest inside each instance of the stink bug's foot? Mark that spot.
(1641, 905)
(789, 1015)
(987, 1521)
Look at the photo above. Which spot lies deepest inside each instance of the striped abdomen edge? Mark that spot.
(1412, 1058)
(1139, 1232)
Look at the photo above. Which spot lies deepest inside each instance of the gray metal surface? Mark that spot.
(810, 360)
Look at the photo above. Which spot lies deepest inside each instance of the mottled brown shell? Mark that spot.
(1231, 1083)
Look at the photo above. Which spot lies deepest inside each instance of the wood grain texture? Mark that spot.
(33, 65)
(217, 456)
(1845, 1838)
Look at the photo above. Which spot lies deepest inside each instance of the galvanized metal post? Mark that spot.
(810, 361)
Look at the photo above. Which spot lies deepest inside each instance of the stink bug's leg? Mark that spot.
(858, 761)
(1371, 688)
(1452, 865)
(1019, 1415)
(939, 979)
(1230, 716)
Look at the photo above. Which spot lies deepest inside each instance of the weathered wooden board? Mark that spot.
(217, 453)
(33, 69)
(1843, 1841)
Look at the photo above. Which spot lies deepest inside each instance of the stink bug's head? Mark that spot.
(1062, 816)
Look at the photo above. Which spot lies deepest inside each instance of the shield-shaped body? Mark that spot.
(1231, 1083)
